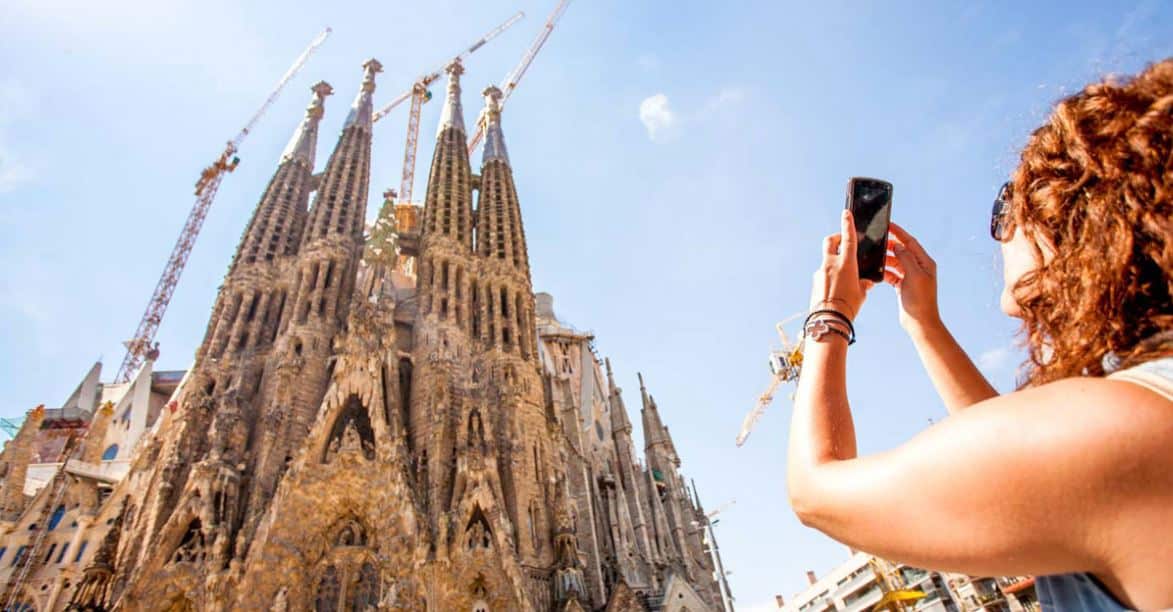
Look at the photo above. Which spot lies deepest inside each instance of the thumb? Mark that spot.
(848, 241)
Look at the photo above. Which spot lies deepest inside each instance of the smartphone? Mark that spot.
(870, 202)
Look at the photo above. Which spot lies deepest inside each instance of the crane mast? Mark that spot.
(509, 83)
(206, 187)
(419, 95)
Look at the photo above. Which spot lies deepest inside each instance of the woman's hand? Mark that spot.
(914, 275)
(837, 285)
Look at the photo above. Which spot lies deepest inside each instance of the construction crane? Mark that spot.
(710, 539)
(206, 187)
(11, 426)
(509, 83)
(785, 366)
(419, 95)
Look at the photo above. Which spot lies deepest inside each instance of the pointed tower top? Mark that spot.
(453, 115)
(305, 139)
(655, 433)
(360, 111)
(494, 138)
(643, 391)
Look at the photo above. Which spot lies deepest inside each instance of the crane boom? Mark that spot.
(289, 74)
(509, 83)
(432, 76)
(419, 94)
(206, 187)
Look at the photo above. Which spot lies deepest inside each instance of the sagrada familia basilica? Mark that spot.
(379, 417)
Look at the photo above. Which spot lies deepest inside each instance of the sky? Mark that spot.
(678, 163)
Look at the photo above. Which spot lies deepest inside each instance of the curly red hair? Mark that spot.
(1095, 189)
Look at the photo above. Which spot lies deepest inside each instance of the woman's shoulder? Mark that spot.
(1099, 420)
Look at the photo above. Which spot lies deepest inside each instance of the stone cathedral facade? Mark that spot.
(378, 418)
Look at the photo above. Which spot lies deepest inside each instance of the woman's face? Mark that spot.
(1018, 258)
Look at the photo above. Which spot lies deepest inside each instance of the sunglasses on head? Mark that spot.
(1001, 213)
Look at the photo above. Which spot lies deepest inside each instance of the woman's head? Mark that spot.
(1089, 246)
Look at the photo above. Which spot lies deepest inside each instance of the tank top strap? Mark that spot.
(1155, 375)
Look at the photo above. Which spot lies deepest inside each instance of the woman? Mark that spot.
(1070, 478)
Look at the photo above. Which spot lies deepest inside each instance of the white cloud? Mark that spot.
(656, 115)
(994, 359)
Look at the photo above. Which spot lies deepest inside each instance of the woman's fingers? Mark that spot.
(892, 278)
(831, 244)
(908, 263)
(923, 259)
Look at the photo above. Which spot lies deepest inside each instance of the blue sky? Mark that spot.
(678, 163)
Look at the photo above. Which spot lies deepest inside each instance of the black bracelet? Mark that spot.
(819, 328)
(834, 313)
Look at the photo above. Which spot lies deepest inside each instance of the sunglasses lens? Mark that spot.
(998, 214)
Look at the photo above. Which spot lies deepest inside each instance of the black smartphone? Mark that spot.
(870, 202)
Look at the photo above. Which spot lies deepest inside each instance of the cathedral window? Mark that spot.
(477, 533)
(405, 388)
(351, 431)
(351, 533)
(59, 511)
(476, 429)
(313, 277)
(21, 553)
(277, 321)
(60, 555)
(364, 594)
(191, 547)
(329, 274)
(533, 524)
(252, 308)
(476, 312)
(52, 549)
(329, 589)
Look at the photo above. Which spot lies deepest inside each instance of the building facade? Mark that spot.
(377, 418)
(866, 582)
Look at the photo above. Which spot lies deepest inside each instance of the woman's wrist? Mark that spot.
(924, 328)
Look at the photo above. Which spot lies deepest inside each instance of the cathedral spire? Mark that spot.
(500, 233)
(452, 117)
(655, 433)
(448, 203)
(619, 419)
(494, 138)
(360, 111)
(302, 145)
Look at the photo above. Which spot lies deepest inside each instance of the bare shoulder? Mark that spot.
(1103, 447)
(1094, 409)
(1115, 429)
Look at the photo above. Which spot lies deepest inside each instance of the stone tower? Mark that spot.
(321, 284)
